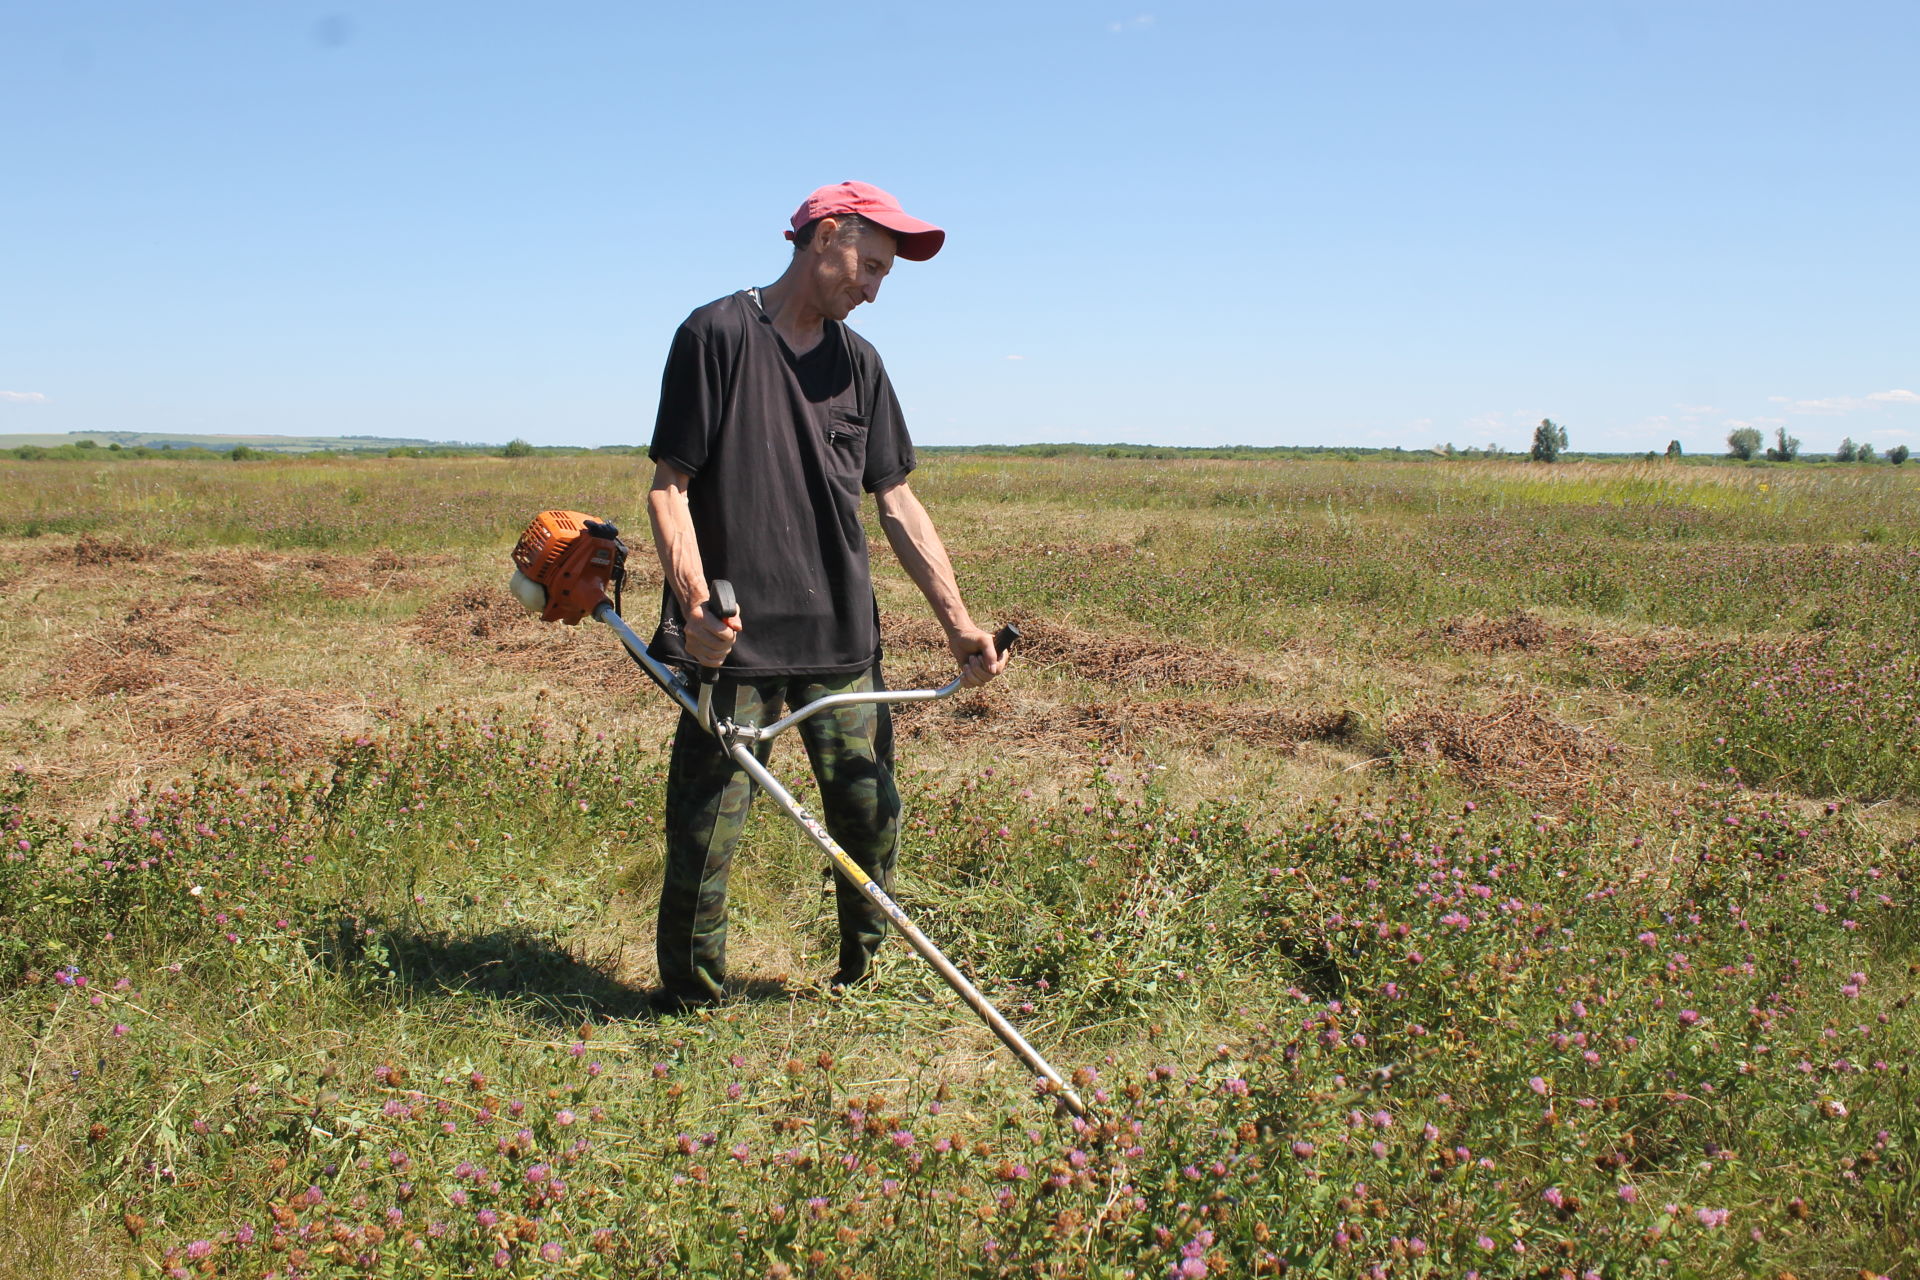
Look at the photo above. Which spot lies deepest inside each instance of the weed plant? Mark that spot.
(1826, 717)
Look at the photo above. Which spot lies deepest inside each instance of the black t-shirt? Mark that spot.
(781, 448)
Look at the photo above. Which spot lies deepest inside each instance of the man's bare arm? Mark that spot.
(911, 534)
(707, 639)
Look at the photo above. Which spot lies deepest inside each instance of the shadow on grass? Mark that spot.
(514, 965)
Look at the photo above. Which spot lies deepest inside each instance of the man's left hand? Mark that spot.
(979, 660)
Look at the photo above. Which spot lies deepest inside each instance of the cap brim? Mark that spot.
(914, 240)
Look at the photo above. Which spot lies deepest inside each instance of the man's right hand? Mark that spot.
(707, 639)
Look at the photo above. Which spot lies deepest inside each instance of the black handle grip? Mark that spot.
(721, 604)
(1005, 638)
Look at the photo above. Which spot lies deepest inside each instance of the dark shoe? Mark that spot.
(666, 1003)
(844, 979)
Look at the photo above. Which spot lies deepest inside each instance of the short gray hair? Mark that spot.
(846, 221)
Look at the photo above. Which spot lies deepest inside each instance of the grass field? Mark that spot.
(1430, 868)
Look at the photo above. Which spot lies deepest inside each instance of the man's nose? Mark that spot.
(870, 290)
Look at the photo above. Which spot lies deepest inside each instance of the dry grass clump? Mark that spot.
(239, 578)
(257, 722)
(999, 715)
(1518, 745)
(344, 577)
(1619, 654)
(1097, 656)
(157, 666)
(153, 648)
(918, 649)
(242, 578)
(95, 552)
(1518, 630)
(487, 623)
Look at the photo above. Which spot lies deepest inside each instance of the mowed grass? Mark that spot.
(1428, 868)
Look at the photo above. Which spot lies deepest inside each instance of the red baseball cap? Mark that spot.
(916, 240)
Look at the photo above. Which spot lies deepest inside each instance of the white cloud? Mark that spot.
(22, 397)
(1829, 407)
(1016, 357)
(1833, 406)
(1696, 408)
(1138, 22)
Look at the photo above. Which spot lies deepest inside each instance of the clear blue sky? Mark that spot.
(1203, 223)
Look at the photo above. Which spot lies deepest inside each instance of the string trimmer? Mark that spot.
(565, 563)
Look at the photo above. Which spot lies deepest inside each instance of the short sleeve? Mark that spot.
(691, 399)
(889, 448)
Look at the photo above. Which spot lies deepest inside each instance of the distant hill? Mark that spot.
(221, 443)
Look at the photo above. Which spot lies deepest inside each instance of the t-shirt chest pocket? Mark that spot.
(846, 454)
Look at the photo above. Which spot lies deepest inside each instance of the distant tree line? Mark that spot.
(1743, 443)
(1549, 445)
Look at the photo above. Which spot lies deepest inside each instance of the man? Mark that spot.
(774, 418)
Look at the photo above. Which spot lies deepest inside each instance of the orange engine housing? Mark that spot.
(573, 557)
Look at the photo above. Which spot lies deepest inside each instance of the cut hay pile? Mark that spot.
(157, 669)
(1518, 745)
(1624, 655)
(1124, 724)
(1115, 660)
(486, 623)
(1518, 630)
(918, 651)
(92, 552)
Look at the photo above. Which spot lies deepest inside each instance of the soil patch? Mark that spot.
(1518, 745)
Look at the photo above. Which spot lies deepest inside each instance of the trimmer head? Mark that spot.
(564, 563)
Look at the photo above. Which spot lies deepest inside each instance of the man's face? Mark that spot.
(848, 267)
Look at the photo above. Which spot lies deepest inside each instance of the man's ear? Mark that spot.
(824, 233)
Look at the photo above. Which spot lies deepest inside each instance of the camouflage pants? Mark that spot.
(851, 749)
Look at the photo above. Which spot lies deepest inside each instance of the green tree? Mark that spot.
(1897, 454)
(1863, 452)
(1847, 451)
(517, 448)
(1549, 438)
(1786, 449)
(1673, 448)
(1744, 442)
